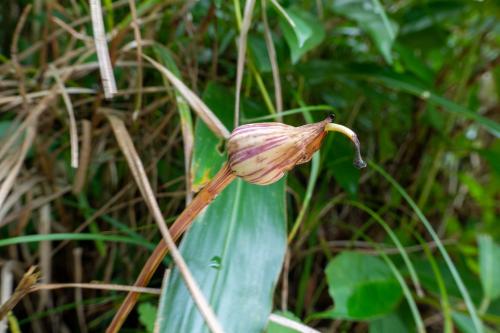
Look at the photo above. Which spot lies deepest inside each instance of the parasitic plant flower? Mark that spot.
(262, 153)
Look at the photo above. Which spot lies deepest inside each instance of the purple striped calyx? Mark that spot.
(262, 153)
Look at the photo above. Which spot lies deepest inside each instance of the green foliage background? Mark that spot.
(409, 244)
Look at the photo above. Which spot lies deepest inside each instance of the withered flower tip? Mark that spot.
(261, 153)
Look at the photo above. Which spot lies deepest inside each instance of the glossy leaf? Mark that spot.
(304, 34)
(353, 278)
(489, 259)
(236, 276)
(371, 17)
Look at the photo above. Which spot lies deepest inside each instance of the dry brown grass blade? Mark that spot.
(139, 174)
(10, 179)
(23, 288)
(101, 45)
(81, 173)
(78, 272)
(45, 260)
(73, 133)
(7, 287)
(96, 286)
(16, 194)
(242, 47)
(222, 179)
(14, 55)
(194, 101)
(138, 40)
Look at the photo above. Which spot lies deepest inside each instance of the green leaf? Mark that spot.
(302, 31)
(318, 71)
(371, 17)
(208, 151)
(235, 250)
(258, 50)
(465, 324)
(147, 316)
(354, 278)
(339, 163)
(390, 323)
(489, 259)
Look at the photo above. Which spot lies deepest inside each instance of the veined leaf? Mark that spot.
(371, 17)
(353, 279)
(236, 276)
(302, 32)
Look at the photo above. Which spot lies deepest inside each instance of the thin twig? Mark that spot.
(138, 39)
(78, 272)
(107, 75)
(70, 30)
(299, 327)
(97, 286)
(13, 54)
(81, 173)
(198, 106)
(44, 254)
(242, 47)
(73, 133)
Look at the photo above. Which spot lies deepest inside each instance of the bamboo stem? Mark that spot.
(220, 181)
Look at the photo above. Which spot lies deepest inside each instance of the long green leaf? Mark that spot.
(235, 250)
(456, 276)
(77, 237)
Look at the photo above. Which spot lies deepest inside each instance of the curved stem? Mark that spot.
(222, 179)
(358, 160)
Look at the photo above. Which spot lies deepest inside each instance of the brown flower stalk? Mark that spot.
(258, 153)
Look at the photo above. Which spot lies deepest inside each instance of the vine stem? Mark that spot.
(220, 181)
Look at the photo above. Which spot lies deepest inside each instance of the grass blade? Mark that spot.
(456, 276)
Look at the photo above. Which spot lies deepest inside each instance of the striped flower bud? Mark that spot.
(261, 153)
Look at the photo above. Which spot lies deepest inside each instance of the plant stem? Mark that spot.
(220, 181)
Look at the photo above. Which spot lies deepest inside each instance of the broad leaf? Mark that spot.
(235, 250)
(302, 32)
(371, 17)
(489, 259)
(353, 278)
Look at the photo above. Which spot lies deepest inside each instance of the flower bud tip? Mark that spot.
(358, 160)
